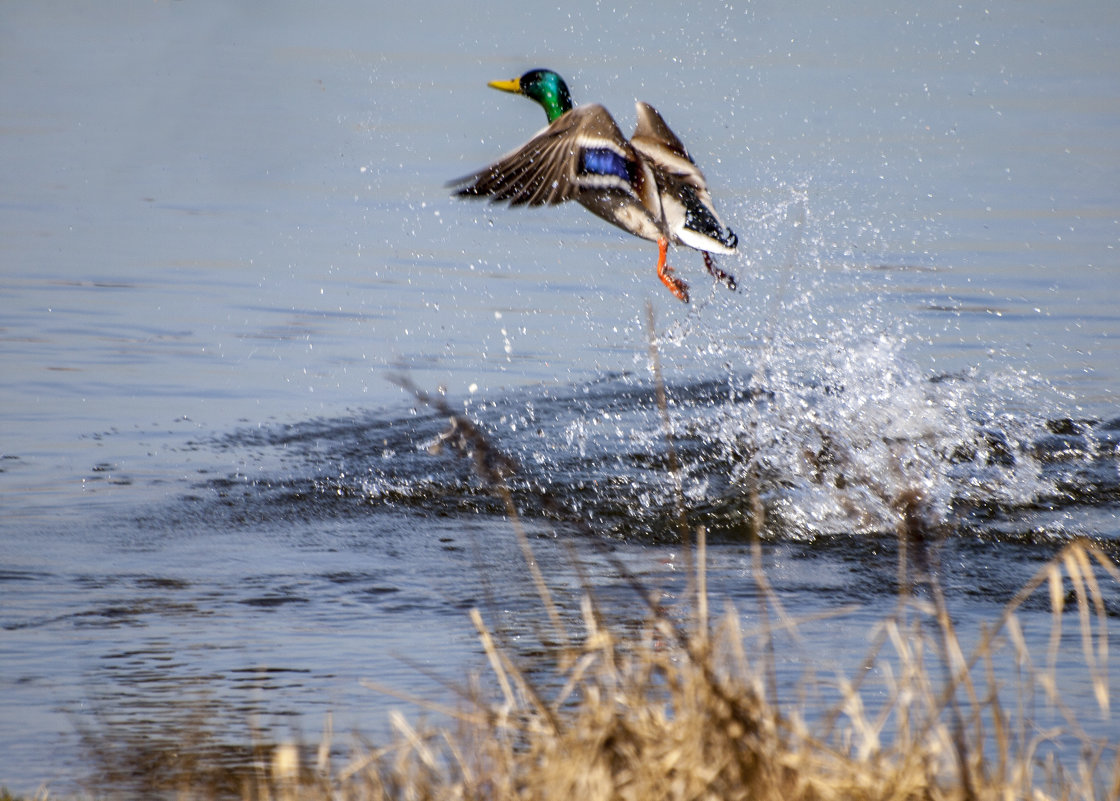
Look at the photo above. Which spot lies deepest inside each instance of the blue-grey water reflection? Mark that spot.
(223, 226)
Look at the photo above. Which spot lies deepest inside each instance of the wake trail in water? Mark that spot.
(801, 394)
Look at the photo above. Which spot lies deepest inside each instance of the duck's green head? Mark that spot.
(544, 86)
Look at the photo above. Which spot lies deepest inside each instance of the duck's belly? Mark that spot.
(623, 211)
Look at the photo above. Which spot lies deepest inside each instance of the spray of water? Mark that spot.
(802, 390)
(815, 405)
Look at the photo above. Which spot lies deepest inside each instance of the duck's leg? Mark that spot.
(665, 272)
(717, 273)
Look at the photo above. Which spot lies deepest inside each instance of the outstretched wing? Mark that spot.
(655, 141)
(688, 205)
(580, 151)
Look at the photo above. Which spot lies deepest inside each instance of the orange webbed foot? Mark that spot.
(665, 273)
(717, 273)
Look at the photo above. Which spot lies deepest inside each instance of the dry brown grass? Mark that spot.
(684, 708)
(681, 711)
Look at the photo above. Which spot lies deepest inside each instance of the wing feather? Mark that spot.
(551, 168)
(689, 206)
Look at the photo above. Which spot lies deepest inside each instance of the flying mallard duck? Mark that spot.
(648, 186)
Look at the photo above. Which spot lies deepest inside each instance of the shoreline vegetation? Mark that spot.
(685, 708)
(684, 705)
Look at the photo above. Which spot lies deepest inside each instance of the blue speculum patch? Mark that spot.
(604, 161)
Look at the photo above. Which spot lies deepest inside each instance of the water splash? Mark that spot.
(804, 393)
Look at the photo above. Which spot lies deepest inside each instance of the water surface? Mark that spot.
(224, 229)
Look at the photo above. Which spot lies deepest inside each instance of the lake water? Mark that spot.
(225, 227)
